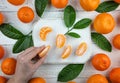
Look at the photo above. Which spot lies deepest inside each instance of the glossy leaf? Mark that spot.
(69, 16)
(82, 23)
(10, 31)
(107, 6)
(101, 41)
(23, 44)
(40, 6)
(73, 34)
(70, 72)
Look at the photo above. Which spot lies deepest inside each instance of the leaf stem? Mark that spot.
(68, 31)
(29, 33)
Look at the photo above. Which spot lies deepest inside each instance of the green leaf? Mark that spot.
(40, 6)
(69, 16)
(101, 41)
(70, 72)
(10, 31)
(107, 6)
(23, 44)
(82, 23)
(72, 34)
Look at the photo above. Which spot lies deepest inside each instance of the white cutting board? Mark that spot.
(54, 55)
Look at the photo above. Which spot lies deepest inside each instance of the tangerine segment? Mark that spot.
(37, 80)
(25, 14)
(115, 75)
(1, 18)
(67, 52)
(16, 2)
(97, 78)
(89, 5)
(81, 49)
(60, 40)
(44, 32)
(104, 23)
(44, 52)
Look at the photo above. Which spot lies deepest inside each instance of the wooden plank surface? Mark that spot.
(47, 71)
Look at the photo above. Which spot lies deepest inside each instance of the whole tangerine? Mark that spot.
(115, 75)
(59, 3)
(2, 52)
(3, 79)
(97, 78)
(101, 62)
(8, 66)
(116, 41)
(89, 5)
(104, 23)
(25, 14)
(16, 2)
(1, 18)
(117, 1)
(37, 80)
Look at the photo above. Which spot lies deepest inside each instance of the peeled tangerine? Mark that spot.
(60, 40)
(67, 52)
(44, 52)
(44, 32)
(81, 49)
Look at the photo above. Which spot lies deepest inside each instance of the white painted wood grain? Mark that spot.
(50, 72)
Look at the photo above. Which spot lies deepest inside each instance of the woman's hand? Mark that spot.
(27, 63)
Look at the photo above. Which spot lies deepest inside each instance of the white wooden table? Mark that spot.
(50, 72)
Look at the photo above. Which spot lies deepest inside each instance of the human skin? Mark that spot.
(25, 67)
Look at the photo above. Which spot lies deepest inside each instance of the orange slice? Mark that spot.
(44, 52)
(67, 52)
(60, 40)
(44, 32)
(81, 49)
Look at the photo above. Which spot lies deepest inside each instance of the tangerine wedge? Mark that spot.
(81, 49)
(67, 52)
(60, 40)
(44, 32)
(45, 51)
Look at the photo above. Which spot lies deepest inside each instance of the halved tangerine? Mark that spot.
(45, 51)
(81, 49)
(44, 32)
(60, 40)
(67, 52)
